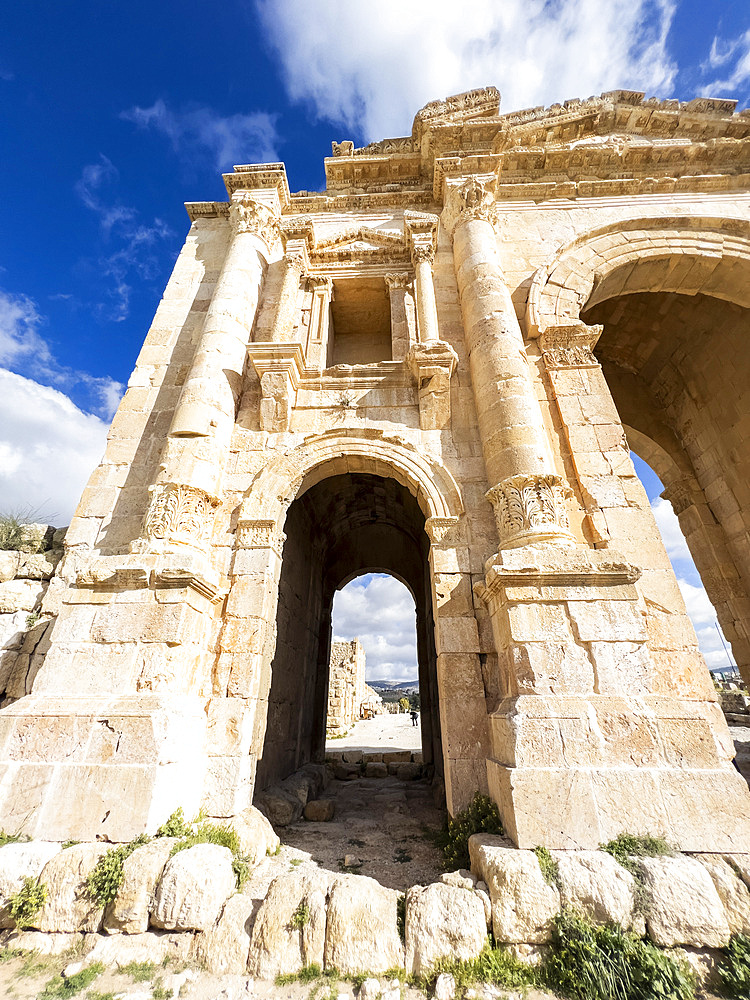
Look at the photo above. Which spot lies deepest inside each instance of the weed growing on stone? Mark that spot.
(35, 965)
(592, 962)
(734, 968)
(628, 846)
(96, 995)
(103, 883)
(160, 992)
(8, 954)
(295, 862)
(550, 867)
(480, 816)
(12, 838)
(200, 831)
(209, 833)
(174, 826)
(13, 536)
(401, 916)
(300, 917)
(68, 843)
(307, 974)
(27, 902)
(139, 972)
(60, 989)
(494, 965)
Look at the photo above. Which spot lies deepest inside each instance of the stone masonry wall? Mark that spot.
(346, 686)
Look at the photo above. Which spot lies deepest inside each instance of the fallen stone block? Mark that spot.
(193, 889)
(442, 921)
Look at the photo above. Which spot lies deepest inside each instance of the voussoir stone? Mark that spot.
(523, 904)
(362, 928)
(290, 926)
(223, 949)
(733, 893)
(684, 907)
(442, 921)
(256, 835)
(193, 888)
(17, 862)
(595, 884)
(69, 906)
(129, 912)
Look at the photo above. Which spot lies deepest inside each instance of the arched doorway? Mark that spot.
(343, 526)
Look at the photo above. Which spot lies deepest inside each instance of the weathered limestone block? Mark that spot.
(17, 862)
(223, 949)
(37, 566)
(442, 921)
(684, 907)
(595, 884)
(129, 912)
(20, 595)
(733, 893)
(153, 946)
(195, 885)
(290, 928)
(257, 837)
(68, 906)
(281, 806)
(523, 904)
(362, 928)
(9, 560)
(44, 944)
(461, 879)
(741, 864)
(320, 810)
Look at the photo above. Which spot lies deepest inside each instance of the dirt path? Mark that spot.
(383, 824)
(383, 732)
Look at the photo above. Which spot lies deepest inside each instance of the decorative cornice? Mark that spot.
(401, 280)
(530, 509)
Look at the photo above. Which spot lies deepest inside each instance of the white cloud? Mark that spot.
(734, 58)
(24, 350)
(227, 139)
(379, 611)
(371, 73)
(671, 533)
(48, 449)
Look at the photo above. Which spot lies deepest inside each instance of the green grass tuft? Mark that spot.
(307, 974)
(12, 838)
(139, 972)
(174, 826)
(103, 883)
(480, 816)
(494, 965)
(734, 968)
(550, 867)
(59, 988)
(300, 917)
(590, 962)
(628, 846)
(27, 902)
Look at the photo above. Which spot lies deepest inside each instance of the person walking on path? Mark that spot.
(414, 717)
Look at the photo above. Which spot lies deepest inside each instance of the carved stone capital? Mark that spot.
(321, 284)
(421, 235)
(179, 513)
(249, 216)
(422, 253)
(399, 281)
(295, 264)
(530, 509)
(475, 199)
(682, 493)
(570, 346)
(442, 530)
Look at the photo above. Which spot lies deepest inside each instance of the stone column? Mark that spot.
(432, 360)
(205, 414)
(528, 496)
(294, 266)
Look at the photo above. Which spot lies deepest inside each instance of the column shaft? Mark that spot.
(427, 323)
(286, 310)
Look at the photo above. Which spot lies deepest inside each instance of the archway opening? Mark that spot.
(340, 528)
(373, 690)
(679, 375)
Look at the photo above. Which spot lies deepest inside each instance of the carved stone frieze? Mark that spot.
(249, 216)
(529, 508)
(261, 534)
(179, 513)
(442, 530)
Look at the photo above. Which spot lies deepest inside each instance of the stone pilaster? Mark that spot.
(432, 365)
(279, 367)
(527, 496)
(294, 266)
(317, 345)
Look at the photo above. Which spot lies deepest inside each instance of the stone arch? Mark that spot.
(687, 254)
(337, 452)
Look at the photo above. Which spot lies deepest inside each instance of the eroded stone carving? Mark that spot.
(179, 513)
(530, 505)
(250, 216)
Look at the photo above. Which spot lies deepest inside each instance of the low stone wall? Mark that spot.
(291, 913)
(25, 576)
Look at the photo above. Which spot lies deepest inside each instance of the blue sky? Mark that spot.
(113, 114)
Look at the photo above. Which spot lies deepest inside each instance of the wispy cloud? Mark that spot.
(225, 139)
(732, 58)
(130, 247)
(379, 611)
(48, 447)
(24, 350)
(381, 69)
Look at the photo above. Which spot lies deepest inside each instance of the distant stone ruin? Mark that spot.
(350, 697)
